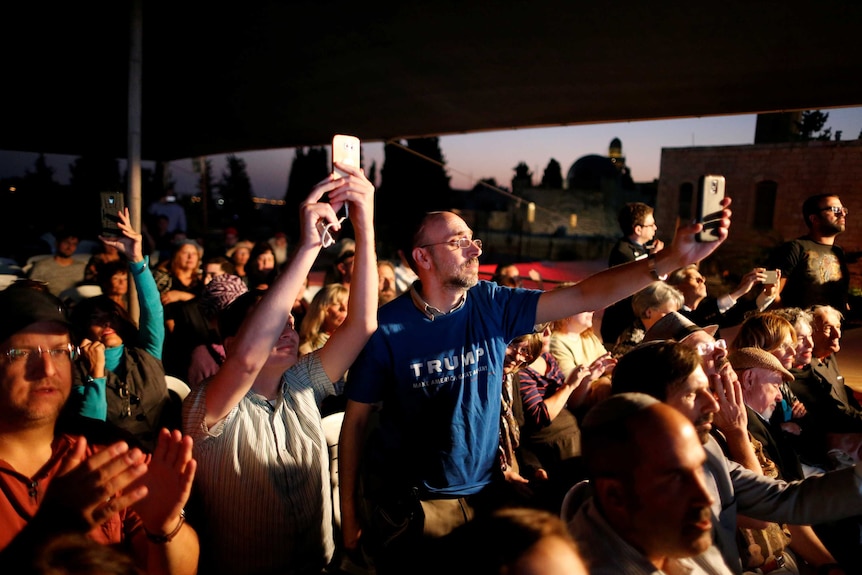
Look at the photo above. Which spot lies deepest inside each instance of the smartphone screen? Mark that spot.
(710, 193)
(345, 150)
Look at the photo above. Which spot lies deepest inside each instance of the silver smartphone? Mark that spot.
(710, 193)
(771, 277)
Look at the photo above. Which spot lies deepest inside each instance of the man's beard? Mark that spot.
(464, 279)
(833, 228)
(703, 432)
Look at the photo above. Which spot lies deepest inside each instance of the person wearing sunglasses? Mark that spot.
(813, 269)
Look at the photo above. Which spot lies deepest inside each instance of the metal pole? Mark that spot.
(134, 151)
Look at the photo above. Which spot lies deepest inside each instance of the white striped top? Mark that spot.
(263, 478)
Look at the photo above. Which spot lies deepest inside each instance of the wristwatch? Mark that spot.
(653, 270)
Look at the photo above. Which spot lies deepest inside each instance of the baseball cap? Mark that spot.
(22, 306)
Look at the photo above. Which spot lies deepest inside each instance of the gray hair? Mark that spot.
(654, 295)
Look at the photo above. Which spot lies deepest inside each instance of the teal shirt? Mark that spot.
(91, 395)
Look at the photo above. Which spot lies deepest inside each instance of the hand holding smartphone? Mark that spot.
(345, 150)
(710, 193)
(112, 204)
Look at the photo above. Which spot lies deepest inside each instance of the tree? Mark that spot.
(235, 190)
(413, 169)
(810, 127)
(553, 176)
(310, 165)
(523, 178)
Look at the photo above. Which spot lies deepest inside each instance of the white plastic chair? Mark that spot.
(178, 386)
(574, 498)
(332, 429)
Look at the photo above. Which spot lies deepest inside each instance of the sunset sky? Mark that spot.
(471, 157)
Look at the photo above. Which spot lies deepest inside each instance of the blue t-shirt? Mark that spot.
(440, 383)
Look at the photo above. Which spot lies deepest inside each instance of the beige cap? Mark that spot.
(750, 357)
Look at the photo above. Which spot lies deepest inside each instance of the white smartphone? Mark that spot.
(345, 150)
(710, 193)
(771, 277)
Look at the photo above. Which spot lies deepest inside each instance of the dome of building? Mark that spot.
(588, 172)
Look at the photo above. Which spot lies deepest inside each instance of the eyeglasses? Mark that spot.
(709, 347)
(523, 352)
(837, 210)
(649, 225)
(23, 355)
(461, 243)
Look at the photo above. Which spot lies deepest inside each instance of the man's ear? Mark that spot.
(611, 492)
(420, 256)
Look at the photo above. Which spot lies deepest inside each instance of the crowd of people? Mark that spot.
(485, 427)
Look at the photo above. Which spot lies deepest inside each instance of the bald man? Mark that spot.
(650, 508)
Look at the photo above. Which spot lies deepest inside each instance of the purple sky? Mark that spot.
(471, 157)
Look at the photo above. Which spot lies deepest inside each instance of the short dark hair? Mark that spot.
(632, 214)
(811, 206)
(654, 368)
(230, 318)
(105, 271)
(224, 263)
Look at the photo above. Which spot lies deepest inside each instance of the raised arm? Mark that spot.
(152, 320)
(348, 340)
(261, 330)
(615, 283)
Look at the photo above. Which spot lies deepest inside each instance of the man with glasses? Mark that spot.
(435, 366)
(637, 224)
(60, 476)
(813, 269)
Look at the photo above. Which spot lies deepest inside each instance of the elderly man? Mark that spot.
(54, 481)
(650, 509)
(826, 333)
(761, 375)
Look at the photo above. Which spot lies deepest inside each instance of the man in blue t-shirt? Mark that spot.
(434, 366)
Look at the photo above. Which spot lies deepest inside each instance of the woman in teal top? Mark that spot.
(121, 378)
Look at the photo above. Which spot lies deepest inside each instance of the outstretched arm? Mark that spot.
(613, 284)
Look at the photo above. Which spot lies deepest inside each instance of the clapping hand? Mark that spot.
(168, 482)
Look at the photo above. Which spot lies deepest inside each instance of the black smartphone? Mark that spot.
(710, 193)
(112, 204)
